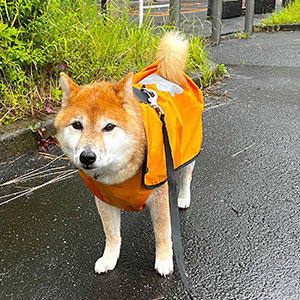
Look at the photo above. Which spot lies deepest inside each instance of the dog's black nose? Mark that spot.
(87, 157)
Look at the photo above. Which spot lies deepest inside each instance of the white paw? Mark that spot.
(105, 263)
(184, 202)
(164, 267)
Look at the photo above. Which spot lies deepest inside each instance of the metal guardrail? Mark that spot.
(216, 15)
(174, 9)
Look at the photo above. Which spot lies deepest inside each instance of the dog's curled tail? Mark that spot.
(171, 56)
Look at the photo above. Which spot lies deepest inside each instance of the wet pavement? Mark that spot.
(241, 234)
(272, 49)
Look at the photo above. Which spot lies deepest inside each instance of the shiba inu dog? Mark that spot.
(116, 143)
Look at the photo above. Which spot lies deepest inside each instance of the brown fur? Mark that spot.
(171, 56)
(116, 101)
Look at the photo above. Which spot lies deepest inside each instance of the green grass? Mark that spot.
(41, 38)
(287, 15)
(242, 35)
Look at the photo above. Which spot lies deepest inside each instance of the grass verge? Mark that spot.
(287, 15)
(41, 38)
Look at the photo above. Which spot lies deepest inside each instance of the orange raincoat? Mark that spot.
(183, 108)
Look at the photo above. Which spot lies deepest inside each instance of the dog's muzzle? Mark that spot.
(87, 158)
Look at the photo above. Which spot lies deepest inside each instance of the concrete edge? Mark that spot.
(18, 138)
(263, 28)
(277, 27)
(17, 141)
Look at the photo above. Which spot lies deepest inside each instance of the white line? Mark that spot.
(156, 6)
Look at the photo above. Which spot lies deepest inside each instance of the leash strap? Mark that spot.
(173, 205)
(143, 96)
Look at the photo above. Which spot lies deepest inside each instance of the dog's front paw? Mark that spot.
(105, 263)
(184, 202)
(164, 267)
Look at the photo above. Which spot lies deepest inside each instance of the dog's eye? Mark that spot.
(109, 127)
(77, 125)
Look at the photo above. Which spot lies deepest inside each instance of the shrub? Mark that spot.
(286, 15)
(40, 38)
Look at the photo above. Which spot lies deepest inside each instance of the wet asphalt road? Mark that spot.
(240, 235)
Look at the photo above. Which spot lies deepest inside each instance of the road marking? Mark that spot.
(166, 13)
(193, 4)
(156, 6)
(194, 10)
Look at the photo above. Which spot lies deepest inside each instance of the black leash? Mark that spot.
(173, 205)
(144, 96)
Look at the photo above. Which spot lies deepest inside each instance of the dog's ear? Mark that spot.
(124, 88)
(70, 88)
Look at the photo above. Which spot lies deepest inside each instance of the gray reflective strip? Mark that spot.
(162, 84)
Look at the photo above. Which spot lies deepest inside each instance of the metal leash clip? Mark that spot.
(152, 100)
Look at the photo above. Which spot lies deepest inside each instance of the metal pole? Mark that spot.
(141, 13)
(174, 13)
(216, 23)
(249, 16)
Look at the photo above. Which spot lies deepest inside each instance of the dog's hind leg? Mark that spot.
(159, 209)
(184, 198)
(110, 217)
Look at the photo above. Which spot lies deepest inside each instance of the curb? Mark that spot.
(19, 138)
(264, 28)
(277, 27)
